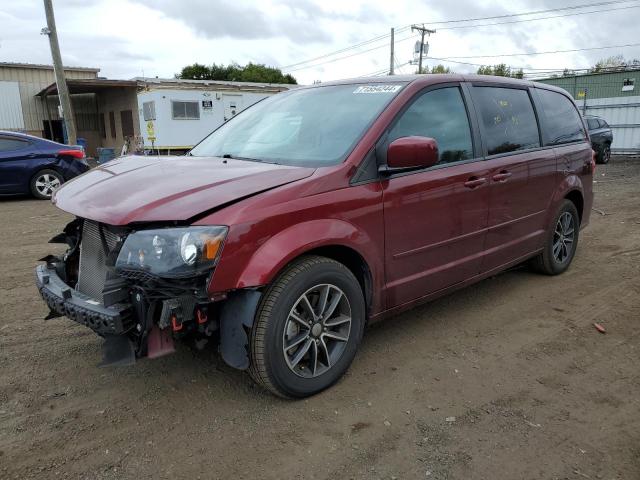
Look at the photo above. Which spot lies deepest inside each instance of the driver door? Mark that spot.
(436, 218)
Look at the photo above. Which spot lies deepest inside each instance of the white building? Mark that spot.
(166, 115)
(177, 114)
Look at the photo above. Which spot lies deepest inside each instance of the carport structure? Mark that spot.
(97, 103)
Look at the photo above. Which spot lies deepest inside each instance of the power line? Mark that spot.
(299, 65)
(402, 29)
(384, 71)
(444, 59)
(342, 50)
(346, 56)
(539, 18)
(535, 12)
(544, 53)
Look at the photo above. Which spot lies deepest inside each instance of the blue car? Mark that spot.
(32, 165)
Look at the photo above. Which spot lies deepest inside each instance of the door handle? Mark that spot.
(474, 182)
(502, 176)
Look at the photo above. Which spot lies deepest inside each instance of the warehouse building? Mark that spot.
(22, 110)
(158, 115)
(613, 96)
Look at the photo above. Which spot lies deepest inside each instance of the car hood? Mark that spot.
(150, 189)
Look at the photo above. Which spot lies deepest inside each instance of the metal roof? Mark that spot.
(93, 85)
(88, 85)
(180, 82)
(39, 66)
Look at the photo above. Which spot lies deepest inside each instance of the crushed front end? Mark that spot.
(139, 289)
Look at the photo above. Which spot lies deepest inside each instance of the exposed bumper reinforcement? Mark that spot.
(62, 299)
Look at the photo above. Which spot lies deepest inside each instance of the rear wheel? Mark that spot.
(44, 183)
(604, 154)
(308, 328)
(561, 243)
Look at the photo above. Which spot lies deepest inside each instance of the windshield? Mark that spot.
(308, 127)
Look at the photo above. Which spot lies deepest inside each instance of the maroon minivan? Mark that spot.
(317, 211)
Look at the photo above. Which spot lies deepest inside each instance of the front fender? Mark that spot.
(262, 265)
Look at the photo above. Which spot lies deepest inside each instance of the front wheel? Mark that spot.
(562, 241)
(308, 328)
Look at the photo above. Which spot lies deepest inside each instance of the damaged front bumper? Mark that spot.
(137, 313)
(62, 300)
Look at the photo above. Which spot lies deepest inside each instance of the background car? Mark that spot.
(34, 165)
(601, 137)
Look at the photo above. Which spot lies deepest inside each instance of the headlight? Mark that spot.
(172, 252)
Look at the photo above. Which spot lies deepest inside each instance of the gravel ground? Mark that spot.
(507, 379)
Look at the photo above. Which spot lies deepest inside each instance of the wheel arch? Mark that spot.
(333, 238)
(575, 196)
(41, 168)
(351, 259)
(45, 166)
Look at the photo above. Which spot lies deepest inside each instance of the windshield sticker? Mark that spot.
(377, 89)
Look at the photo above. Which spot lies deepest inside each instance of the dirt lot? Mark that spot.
(507, 379)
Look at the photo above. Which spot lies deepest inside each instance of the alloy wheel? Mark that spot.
(317, 330)
(563, 237)
(46, 184)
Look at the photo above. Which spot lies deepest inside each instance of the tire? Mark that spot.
(554, 260)
(44, 183)
(283, 319)
(604, 154)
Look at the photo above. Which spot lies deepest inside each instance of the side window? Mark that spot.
(592, 123)
(149, 110)
(560, 117)
(603, 124)
(185, 110)
(508, 119)
(12, 144)
(441, 115)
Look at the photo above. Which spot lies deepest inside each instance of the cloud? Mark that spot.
(241, 19)
(162, 36)
(302, 21)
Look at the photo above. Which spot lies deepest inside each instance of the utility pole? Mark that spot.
(392, 56)
(422, 30)
(58, 70)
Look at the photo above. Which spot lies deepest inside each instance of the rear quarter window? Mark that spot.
(10, 144)
(560, 118)
(508, 119)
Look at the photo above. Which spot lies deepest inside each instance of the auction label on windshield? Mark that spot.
(377, 89)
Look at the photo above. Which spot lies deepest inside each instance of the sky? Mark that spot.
(133, 38)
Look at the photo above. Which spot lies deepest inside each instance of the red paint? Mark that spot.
(600, 328)
(148, 189)
(420, 234)
(407, 152)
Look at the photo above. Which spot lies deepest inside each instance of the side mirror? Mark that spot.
(410, 153)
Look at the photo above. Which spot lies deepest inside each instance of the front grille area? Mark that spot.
(93, 270)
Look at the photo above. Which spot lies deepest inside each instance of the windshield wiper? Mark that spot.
(235, 157)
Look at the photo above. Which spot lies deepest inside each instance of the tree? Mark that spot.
(195, 72)
(616, 62)
(500, 70)
(252, 72)
(440, 69)
(436, 69)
